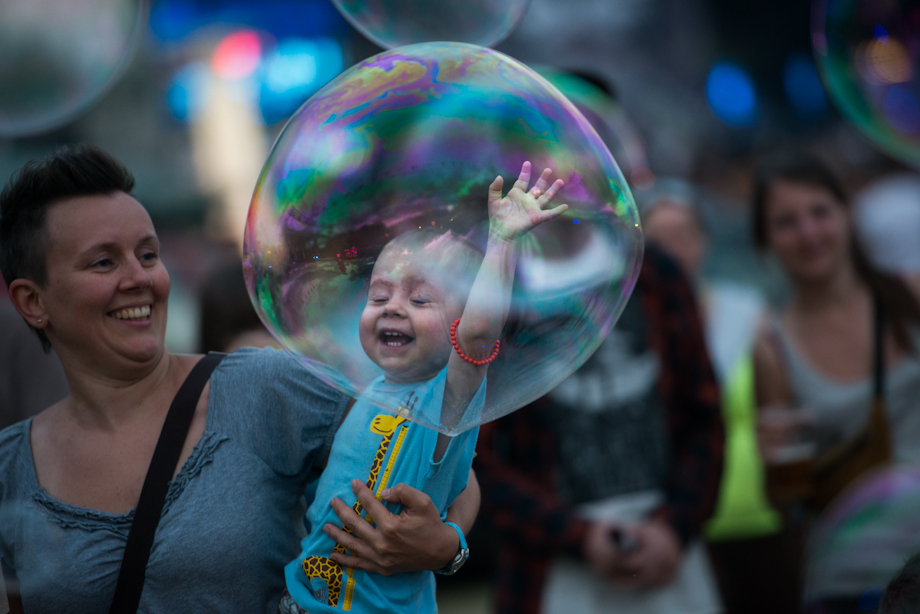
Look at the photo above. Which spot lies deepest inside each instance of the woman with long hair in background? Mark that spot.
(837, 370)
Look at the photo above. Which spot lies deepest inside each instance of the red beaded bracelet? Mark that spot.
(478, 363)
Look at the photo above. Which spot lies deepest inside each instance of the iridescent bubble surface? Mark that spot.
(410, 139)
(608, 117)
(393, 23)
(867, 53)
(57, 57)
(865, 537)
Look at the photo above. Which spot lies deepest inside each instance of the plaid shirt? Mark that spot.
(516, 454)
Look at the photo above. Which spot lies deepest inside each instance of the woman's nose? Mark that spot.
(136, 276)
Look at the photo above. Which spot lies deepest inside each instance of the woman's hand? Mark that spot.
(414, 540)
(520, 211)
(780, 434)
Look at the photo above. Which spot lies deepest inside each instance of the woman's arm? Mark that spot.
(414, 540)
(776, 428)
(771, 385)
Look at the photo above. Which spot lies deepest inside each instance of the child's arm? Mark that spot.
(487, 307)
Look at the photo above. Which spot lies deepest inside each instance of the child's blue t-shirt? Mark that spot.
(387, 449)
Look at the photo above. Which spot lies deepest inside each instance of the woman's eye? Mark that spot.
(784, 221)
(103, 263)
(419, 301)
(149, 257)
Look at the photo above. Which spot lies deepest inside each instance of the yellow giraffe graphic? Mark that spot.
(324, 567)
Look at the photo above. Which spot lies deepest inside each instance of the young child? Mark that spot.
(423, 287)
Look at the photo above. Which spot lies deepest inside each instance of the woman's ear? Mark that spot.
(28, 302)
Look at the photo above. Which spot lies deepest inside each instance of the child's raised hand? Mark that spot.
(522, 210)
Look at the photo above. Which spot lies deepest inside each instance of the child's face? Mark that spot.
(405, 326)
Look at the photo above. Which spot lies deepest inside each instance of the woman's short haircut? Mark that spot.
(70, 172)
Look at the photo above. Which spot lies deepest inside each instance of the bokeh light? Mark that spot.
(412, 138)
(730, 94)
(867, 53)
(293, 71)
(393, 23)
(57, 57)
(802, 85)
(238, 55)
(188, 91)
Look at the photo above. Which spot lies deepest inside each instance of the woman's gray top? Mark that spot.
(840, 409)
(233, 515)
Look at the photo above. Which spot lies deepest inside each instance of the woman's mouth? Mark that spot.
(394, 339)
(132, 313)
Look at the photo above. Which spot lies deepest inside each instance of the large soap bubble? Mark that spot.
(393, 23)
(868, 54)
(865, 537)
(408, 140)
(57, 57)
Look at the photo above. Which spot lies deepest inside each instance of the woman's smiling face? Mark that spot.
(808, 229)
(106, 293)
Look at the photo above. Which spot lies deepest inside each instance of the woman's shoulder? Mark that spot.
(267, 401)
(15, 455)
(268, 370)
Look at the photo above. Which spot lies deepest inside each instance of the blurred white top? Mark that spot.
(887, 218)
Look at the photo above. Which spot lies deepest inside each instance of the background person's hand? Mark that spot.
(656, 560)
(416, 539)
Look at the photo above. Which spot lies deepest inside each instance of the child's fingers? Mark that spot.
(551, 192)
(540, 186)
(523, 179)
(495, 190)
(549, 214)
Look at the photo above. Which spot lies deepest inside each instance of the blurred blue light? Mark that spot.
(730, 94)
(803, 85)
(293, 71)
(902, 109)
(188, 91)
(172, 20)
(881, 34)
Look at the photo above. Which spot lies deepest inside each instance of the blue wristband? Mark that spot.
(460, 558)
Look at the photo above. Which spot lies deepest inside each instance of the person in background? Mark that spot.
(30, 379)
(744, 540)
(817, 353)
(228, 319)
(600, 489)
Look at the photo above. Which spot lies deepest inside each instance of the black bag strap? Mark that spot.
(156, 484)
(878, 384)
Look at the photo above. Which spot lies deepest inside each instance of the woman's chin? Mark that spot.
(144, 353)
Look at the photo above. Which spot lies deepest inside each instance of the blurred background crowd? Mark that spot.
(701, 103)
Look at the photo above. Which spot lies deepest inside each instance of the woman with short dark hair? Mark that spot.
(82, 260)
